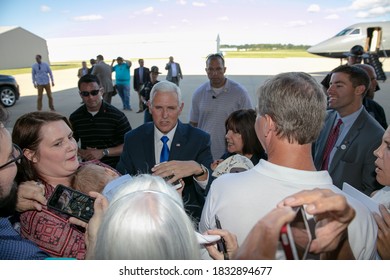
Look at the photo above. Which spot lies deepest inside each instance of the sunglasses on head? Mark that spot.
(92, 92)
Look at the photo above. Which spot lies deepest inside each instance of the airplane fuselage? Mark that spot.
(373, 36)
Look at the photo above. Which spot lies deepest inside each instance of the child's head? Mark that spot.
(92, 177)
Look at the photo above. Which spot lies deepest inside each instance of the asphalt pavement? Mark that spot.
(251, 73)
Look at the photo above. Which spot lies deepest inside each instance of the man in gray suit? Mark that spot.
(349, 158)
(103, 71)
(174, 71)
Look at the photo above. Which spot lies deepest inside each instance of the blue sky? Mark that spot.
(76, 30)
(245, 21)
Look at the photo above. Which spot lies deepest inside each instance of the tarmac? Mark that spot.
(250, 72)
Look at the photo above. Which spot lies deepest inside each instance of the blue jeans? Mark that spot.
(124, 94)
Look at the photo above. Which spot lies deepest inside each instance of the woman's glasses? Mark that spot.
(17, 154)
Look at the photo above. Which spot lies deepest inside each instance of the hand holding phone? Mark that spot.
(296, 237)
(71, 202)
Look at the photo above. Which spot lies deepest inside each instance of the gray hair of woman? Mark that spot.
(146, 220)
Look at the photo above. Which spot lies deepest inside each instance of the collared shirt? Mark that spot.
(348, 121)
(174, 69)
(102, 130)
(122, 74)
(211, 107)
(141, 75)
(158, 144)
(14, 247)
(40, 74)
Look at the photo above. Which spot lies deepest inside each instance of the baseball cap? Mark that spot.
(233, 164)
(356, 50)
(154, 69)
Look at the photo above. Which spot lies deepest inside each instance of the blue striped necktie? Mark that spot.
(165, 150)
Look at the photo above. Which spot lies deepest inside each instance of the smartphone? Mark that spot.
(296, 236)
(71, 202)
(221, 245)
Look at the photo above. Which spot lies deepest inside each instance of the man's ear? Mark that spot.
(30, 155)
(360, 90)
(268, 125)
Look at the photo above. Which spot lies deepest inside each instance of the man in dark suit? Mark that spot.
(350, 158)
(189, 148)
(140, 77)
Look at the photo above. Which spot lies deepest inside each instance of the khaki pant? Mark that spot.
(49, 96)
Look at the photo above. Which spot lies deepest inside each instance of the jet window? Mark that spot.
(344, 32)
(355, 32)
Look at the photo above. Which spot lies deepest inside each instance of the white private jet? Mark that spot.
(374, 37)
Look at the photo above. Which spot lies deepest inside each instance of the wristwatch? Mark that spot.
(204, 170)
(106, 152)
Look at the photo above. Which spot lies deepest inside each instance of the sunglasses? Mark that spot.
(92, 92)
(17, 154)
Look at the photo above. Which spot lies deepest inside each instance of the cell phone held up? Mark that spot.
(71, 202)
(296, 236)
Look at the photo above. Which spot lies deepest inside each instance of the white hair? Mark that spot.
(165, 86)
(146, 220)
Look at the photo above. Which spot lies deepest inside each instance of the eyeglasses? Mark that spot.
(216, 55)
(92, 92)
(17, 154)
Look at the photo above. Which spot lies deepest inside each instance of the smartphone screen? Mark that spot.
(296, 236)
(72, 203)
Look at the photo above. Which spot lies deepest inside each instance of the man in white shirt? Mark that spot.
(174, 71)
(291, 112)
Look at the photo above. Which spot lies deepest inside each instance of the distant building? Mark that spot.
(18, 48)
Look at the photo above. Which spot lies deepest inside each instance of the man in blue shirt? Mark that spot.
(12, 245)
(122, 80)
(40, 76)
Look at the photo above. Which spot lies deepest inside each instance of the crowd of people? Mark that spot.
(302, 141)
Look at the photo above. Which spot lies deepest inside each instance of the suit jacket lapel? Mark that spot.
(178, 142)
(353, 132)
(148, 145)
(323, 138)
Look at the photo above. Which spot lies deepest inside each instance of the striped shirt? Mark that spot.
(103, 130)
(210, 108)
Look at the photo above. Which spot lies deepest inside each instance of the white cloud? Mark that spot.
(332, 16)
(297, 23)
(181, 2)
(379, 10)
(185, 20)
(147, 11)
(365, 4)
(362, 15)
(224, 18)
(88, 18)
(313, 8)
(367, 8)
(198, 4)
(45, 9)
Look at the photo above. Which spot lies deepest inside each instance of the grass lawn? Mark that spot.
(268, 54)
(228, 54)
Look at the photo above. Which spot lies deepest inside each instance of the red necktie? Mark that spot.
(332, 138)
